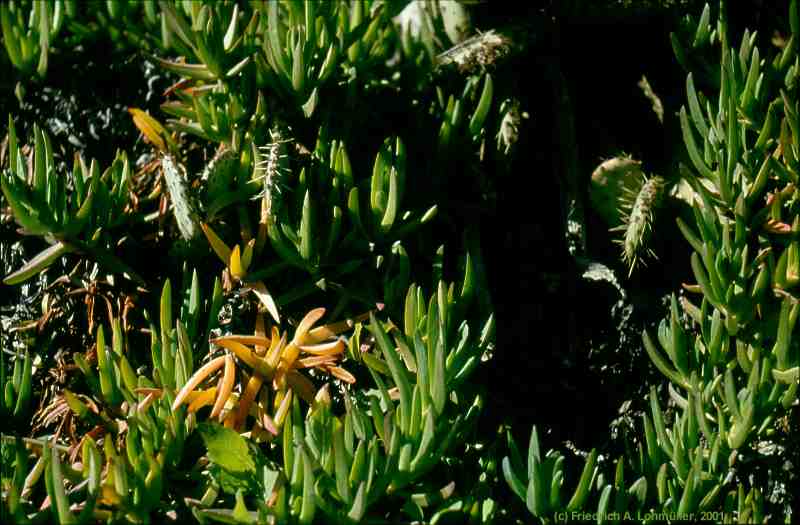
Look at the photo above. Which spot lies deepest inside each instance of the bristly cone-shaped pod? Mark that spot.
(638, 208)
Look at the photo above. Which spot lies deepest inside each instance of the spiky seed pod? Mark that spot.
(480, 52)
(271, 170)
(638, 210)
(508, 133)
(183, 205)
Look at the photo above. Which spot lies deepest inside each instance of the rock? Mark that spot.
(609, 182)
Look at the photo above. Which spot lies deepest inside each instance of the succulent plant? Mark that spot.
(223, 398)
(733, 370)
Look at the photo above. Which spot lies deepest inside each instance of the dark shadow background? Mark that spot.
(566, 353)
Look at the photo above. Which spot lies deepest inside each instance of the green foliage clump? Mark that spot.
(337, 421)
(277, 154)
(731, 361)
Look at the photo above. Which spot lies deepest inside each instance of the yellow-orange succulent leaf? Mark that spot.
(249, 395)
(250, 340)
(305, 325)
(206, 397)
(261, 332)
(263, 295)
(230, 420)
(153, 131)
(330, 348)
(288, 357)
(220, 248)
(235, 263)
(275, 348)
(145, 403)
(246, 354)
(196, 379)
(225, 386)
(302, 385)
(323, 395)
(283, 409)
(109, 495)
(325, 332)
(342, 374)
(313, 361)
(194, 394)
